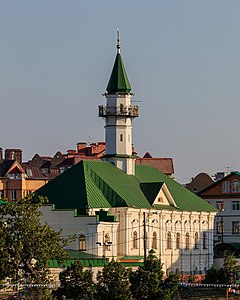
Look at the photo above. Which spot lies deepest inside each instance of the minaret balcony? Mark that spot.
(127, 111)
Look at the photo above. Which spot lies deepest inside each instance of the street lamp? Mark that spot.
(105, 245)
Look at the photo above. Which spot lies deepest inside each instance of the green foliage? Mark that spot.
(214, 275)
(227, 274)
(230, 267)
(76, 283)
(113, 283)
(26, 245)
(39, 294)
(147, 282)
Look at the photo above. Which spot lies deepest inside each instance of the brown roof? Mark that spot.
(165, 165)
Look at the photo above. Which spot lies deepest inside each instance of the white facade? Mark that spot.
(227, 221)
(182, 240)
(118, 128)
(118, 115)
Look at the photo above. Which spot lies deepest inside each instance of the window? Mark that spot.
(169, 241)
(196, 240)
(226, 187)
(235, 205)
(28, 193)
(220, 226)
(236, 186)
(121, 137)
(220, 205)
(82, 242)
(235, 227)
(135, 240)
(154, 240)
(13, 195)
(178, 241)
(204, 236)
(187, 241)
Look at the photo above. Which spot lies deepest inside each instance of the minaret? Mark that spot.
(119, 114)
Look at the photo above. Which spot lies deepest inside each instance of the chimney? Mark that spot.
(81, 146)
(13, 154)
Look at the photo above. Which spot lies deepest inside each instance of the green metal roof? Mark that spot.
(86, 259)
(118, 82)
(184, 199)
(94, 184)
(129, 257)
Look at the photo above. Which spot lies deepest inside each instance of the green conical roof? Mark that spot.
(118, 82)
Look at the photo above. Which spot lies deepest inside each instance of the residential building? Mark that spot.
(199, 182)
(224, 194)
(121, 209)
(16, 179)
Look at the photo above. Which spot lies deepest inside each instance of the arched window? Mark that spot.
(107, 242)
(204, 237)
(236, 186)
(154, 240)
(135, 240)
(169, 241)
(178, 241)
(196, 240)
(187, 241)
(82, 242)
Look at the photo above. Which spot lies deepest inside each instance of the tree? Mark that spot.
(113, 283)
(76, 283)
(147, 282)
(26, 245)
(226, 274)
(230, 267)
(214, 275)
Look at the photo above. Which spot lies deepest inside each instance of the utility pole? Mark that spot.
(222, 228)
(144, 238)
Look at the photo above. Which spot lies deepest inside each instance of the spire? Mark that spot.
(118, 41)
(118, 82)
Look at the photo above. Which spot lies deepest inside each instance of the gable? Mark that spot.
(185, 200)
(164, 197)
(15, 169)
(226, 187)
(157, 193)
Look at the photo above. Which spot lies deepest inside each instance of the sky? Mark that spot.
(182, 58)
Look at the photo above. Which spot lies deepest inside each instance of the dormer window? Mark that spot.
(226, 187)
(235, 186)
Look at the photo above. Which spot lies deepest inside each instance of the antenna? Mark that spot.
(228, 169)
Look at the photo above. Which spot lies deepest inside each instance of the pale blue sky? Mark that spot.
(182, 59)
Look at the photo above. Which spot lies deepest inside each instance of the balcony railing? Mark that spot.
(131, 111)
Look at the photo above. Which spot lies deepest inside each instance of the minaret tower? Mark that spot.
(119, 114)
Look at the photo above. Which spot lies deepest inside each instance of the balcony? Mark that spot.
(126, 111)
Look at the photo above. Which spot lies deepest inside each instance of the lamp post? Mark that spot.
(144, 238)
(104, 244)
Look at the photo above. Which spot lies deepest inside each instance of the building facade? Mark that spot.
(225, 196)
(120, 209)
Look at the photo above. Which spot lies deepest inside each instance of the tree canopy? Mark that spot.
(26, 244)
(113, 282)
(147, 282)
(76, 283)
